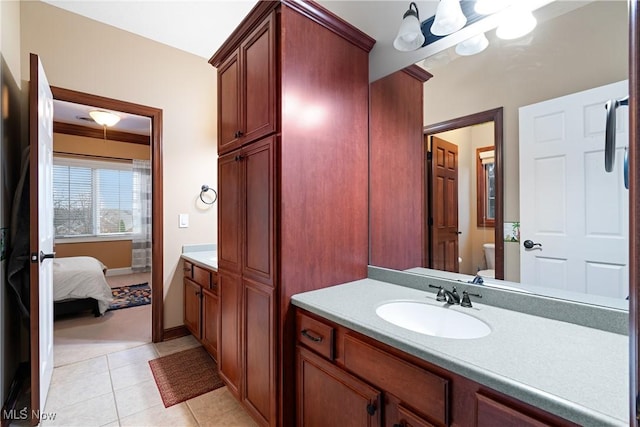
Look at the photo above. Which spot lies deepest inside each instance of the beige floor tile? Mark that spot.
(137, 398)
(132, 374)
(97, 411)
(219, 408)
(63, 394)
(79, 370)
(157, 416)
(173, 346)
(113, 424)
(139, 354)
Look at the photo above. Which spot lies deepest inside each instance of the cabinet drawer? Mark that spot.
(202, 276)
(423, 391)
(491, 413)
(315, 335)
(188, 269)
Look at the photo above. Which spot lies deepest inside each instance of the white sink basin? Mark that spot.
(433, 320)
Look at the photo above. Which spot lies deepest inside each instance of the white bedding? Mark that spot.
(81, 277)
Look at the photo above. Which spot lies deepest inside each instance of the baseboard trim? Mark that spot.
(175, 332)
(119, 271)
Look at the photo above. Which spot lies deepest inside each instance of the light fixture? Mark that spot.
(104, 118)
(488, 7)
(516, 23)
(473, 45)
(410, 35)
(449, 18)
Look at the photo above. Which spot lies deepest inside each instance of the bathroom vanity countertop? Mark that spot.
(206, 259)
(575, 372)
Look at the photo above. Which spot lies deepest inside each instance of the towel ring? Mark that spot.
(206, 188)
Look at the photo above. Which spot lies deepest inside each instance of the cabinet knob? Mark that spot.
(371, 408)
(238, 134)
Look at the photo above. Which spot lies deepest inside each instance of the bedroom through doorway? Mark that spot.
(105, 182)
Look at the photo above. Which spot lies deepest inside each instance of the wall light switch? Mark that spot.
(183, 220)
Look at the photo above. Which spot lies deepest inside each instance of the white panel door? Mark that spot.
(569, 205)
(42, 234)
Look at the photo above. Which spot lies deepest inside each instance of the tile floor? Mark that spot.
(103, 378)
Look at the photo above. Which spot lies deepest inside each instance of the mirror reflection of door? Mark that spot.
(444, 205)
(462, 200)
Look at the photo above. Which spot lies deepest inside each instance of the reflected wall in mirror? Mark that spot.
(577, 46)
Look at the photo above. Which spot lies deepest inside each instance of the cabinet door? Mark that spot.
(210, 322)
(229, 102)
(192, 293)
(230, 299)
(399, 416)
(328, 396)
(259, 70)
(492, 413)
(229, 212)
(259, 390)
(258, 161)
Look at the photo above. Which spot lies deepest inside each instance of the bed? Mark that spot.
(79, 284)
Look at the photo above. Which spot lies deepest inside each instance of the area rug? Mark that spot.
(185, 375)
(130, 296)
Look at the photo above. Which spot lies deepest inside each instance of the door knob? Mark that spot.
(529, 244)
(44, 256)
(456, 232)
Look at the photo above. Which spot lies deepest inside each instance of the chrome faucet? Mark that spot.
(452, 297)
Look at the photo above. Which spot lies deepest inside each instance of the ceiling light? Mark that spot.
(516, 23)
(449, 18)
(410, 35)
(487, 7)
(475, 44)
(104, 118)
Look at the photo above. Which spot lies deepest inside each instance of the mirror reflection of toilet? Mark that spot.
(490, 257)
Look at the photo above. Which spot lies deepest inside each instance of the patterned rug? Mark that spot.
(130, 296)
(185, 375)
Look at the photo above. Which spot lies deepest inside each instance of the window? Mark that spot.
(92, 198)
(486, 186)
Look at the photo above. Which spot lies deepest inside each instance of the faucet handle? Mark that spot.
(440, 296)
(466, 301)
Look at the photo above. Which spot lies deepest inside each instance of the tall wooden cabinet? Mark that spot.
(292, 184)
(398, 232)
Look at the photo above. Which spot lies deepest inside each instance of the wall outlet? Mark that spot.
(183, 220)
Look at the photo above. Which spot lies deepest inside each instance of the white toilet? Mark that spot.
(490, 256)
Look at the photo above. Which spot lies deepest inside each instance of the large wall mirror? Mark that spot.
(551, 86)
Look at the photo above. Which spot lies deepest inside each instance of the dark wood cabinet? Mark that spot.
(292, 209)
(411, 391)
(329, 396)
(246, 88)
(230, 299)
(192, 295)
(209, 332)
(201, 305)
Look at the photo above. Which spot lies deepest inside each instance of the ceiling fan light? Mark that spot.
(410, 35)
(449, 18)
(516, 23)
(488, 7)
(473, 45)
(104, 118)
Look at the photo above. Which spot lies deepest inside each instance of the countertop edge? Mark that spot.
(191, 257)
(536, 397)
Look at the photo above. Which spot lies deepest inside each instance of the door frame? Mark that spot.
(155, 114)
(495, 116)
(634, 209)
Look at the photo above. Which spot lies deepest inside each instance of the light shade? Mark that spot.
(475, 44)
(104, 118)
(449, 18)
(487, 7)
(410, 35)
(516, 23)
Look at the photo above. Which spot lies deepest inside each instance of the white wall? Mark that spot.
(88, 56)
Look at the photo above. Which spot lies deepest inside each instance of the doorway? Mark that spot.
(444, 252)
(155, 143)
